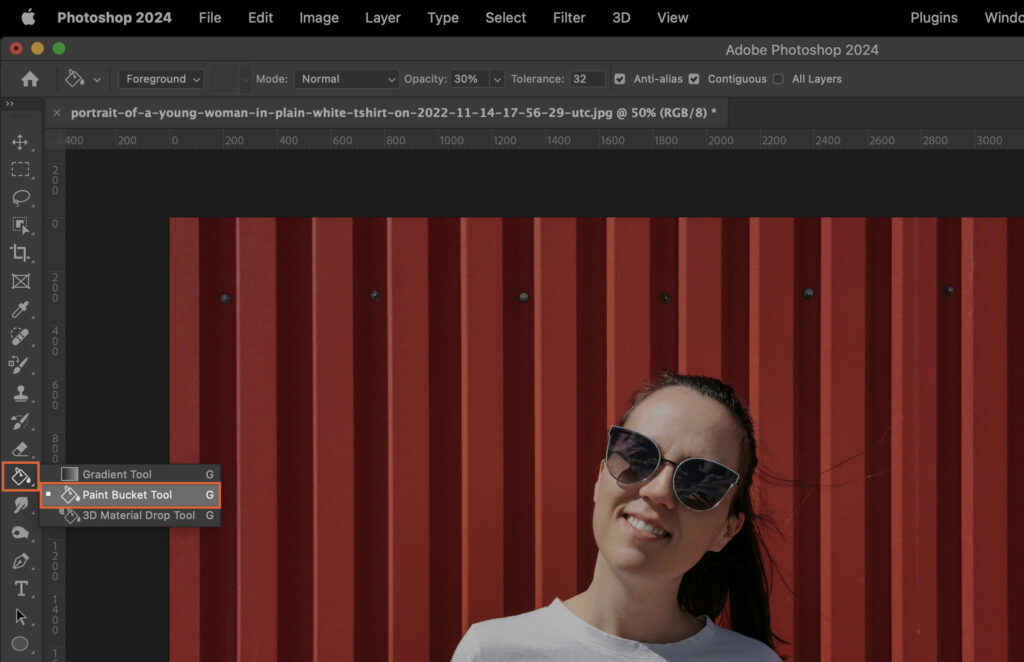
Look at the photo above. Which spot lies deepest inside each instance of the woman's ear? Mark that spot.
(732, 526)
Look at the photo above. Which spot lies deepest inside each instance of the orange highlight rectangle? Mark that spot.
(116, 482)
(3, 473)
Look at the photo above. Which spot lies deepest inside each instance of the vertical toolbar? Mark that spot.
(22, 397)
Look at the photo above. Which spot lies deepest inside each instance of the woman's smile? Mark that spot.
(638, 533)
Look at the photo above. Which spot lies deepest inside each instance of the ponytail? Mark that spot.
(735, 577)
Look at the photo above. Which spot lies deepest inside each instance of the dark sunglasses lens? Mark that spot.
(630, 458)
(701, 484)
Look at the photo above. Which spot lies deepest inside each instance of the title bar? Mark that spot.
(508, 20)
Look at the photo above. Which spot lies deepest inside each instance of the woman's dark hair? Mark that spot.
(736, 575)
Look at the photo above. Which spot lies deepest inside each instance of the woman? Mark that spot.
(676, 536)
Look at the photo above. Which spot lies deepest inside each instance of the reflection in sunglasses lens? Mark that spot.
(631, 459)
(701, 484)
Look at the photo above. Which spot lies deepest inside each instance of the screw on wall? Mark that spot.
(948, 290)
(225, 298)
(666, 297)
(808, 293)
(375, 295)
(523, 297)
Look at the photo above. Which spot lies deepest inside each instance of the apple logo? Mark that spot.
(29, 17)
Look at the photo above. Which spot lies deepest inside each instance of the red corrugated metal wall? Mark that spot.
(410, 413)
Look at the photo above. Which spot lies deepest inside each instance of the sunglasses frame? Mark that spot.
(661, 458)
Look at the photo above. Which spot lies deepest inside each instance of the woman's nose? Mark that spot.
(659, 486)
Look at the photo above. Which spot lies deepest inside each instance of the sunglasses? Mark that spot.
(698, 483)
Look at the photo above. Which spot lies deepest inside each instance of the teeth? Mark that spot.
(643, 526)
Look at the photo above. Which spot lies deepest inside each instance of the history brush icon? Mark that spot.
(16, 364)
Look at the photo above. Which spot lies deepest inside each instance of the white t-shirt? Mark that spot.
(555, 634)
